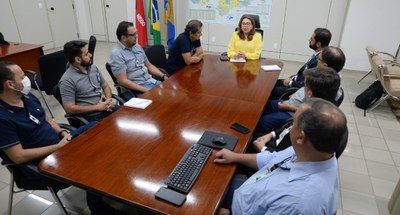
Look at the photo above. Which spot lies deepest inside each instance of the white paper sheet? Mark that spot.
(138, 103)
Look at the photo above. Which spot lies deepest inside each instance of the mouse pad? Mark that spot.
(208, 136)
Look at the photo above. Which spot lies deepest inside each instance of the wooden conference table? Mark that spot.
(25, 55)
(128, 155)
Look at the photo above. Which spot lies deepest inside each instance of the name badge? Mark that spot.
(34, 119)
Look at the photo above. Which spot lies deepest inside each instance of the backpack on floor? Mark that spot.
(370, 95)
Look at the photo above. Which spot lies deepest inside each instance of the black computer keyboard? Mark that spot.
(186, 171)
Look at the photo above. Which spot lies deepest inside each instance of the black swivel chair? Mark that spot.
(35, 181)
(37, 84)
(52, 67)
(92, 45)
(117, 85)
(343, 144)
(156, 55)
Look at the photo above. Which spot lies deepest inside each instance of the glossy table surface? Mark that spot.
(128, 155)
(243, 81)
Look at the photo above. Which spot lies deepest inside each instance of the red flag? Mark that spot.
(141, 24)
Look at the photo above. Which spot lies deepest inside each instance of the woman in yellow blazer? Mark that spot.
(245, 42)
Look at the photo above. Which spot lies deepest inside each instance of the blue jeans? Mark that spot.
(148, 85)
(273, 117)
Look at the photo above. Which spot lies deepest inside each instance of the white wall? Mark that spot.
(83, 19)
(292, 23)
(286, 39)
(370, 22)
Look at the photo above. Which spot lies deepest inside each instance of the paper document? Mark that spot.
(240, 60)
(138, 103)
(270, 67)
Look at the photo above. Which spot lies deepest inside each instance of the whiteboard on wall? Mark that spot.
(229, 12)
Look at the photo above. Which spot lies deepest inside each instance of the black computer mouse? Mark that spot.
(219, 140)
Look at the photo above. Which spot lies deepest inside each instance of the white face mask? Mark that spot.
(27, 86)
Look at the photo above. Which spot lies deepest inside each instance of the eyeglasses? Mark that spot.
(246, 23)
(132, 35)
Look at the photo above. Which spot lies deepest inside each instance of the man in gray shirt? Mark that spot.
(83, 89)
(129, 63)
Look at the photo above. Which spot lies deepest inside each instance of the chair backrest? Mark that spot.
(92, 45)
(108, 68)
(115, 81)
(343, 144)
(57, 94)
(52, 68)
(156, 55)
(261, 32)
(397, 56)
(377, 61)
(370, 53)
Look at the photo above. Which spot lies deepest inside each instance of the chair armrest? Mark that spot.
(7, 163)
(78, 119)
(119, 99)
(29, 166)
(30, 72)
(119, 87)
(385, 53)
(288, 92)
(66, 126)
(392, 75)
(390, 64)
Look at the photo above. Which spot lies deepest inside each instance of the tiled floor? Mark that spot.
(369, 168)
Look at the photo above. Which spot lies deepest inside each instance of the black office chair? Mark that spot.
(343, 144)
(117, 85)
(78, 121)
(37, 84)
(92, 45)
(28, 177)
(52, 67)
(156, 55)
